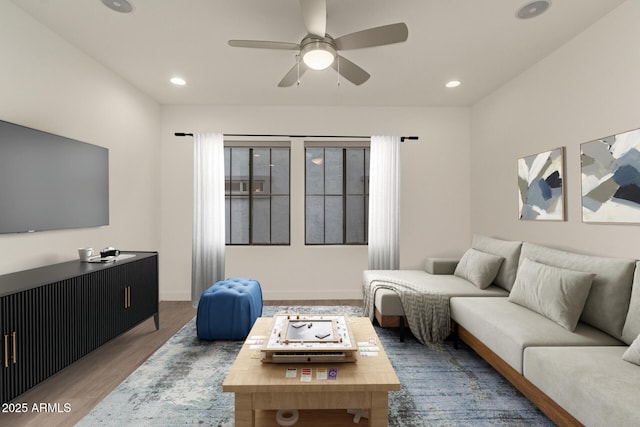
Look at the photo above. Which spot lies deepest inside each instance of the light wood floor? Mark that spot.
(85, 383)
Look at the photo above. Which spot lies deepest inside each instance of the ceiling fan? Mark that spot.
(318, 50)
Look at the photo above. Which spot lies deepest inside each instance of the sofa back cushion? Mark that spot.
(632, 325)
(608, 301)
(507, 249)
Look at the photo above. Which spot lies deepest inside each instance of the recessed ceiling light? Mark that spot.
(122, 6)
(178, 81)
(533, 9)
(453, 83)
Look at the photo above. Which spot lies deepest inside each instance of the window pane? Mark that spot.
(280, 219)
(314, 219)
(240, 220)
(333, 171)
(314, 169)
(280, 171)
(333, 220)
(227, 171)
(227, 223)
(355, 171)
(366, 218)
(367, 153)
(239, 170)
(355, 219)
(261, 219)
(261, 171)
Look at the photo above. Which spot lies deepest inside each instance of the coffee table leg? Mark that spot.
(245, 416)
(379, 412)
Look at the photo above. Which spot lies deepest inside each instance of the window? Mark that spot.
(336, 195)
(257, 195)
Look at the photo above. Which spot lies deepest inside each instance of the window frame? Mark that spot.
(344, 146)
(250, 195)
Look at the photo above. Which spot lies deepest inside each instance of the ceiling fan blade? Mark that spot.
(378, 36)
(262, 44)
(350, 71)
(292, 76)
(314, 13)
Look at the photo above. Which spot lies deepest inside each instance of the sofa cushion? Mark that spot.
(388, 303)
(556, 293)
(509, 250)
(479, 268)
(594, 384)
(632, 325)
(507, 328)
(608, 301)
(633, 352)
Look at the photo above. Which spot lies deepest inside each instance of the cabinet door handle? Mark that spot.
(6, 350)
(127, 297)
(15, 346)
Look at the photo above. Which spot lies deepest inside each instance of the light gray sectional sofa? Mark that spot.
(554, 323)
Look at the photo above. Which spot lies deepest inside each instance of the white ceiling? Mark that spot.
(479, 42)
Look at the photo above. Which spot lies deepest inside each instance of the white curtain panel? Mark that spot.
(208, 213)
(384, 203)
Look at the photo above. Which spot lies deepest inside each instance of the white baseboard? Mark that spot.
(278, 295)
(314, 295)
(175, 296)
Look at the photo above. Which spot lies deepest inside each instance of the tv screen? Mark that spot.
(49, 182)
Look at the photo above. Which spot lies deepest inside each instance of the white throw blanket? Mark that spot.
(427, 312)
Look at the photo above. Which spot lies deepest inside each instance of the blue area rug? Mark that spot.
(181, 384)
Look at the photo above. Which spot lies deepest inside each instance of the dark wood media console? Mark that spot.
(52, 316)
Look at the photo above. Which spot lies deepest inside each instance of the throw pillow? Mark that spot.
(633, 352)
(480, 268)
(509, 250)
(556, 293)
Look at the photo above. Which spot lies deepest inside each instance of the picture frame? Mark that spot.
(610, 172)
(541, 186)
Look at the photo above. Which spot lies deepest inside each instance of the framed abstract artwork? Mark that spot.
(611, 179)
(541, 186)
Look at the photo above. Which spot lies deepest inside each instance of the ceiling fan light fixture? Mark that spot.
(318, 55)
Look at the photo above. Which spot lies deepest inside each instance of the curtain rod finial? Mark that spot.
(402, 139)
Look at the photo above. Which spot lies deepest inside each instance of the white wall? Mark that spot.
(587, 89)
(435, 194)
(49, 85)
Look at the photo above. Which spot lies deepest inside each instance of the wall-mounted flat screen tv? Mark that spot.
(49, 182)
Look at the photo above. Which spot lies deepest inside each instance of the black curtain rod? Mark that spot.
(402, 138)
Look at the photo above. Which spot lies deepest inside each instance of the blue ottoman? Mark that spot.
(228, 309)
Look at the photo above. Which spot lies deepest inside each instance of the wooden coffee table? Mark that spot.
(261, 389)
